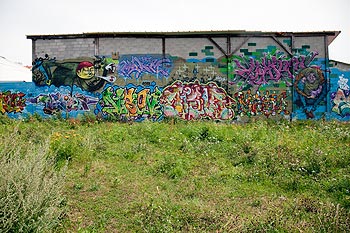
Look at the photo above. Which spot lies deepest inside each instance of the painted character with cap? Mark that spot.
(87, 79)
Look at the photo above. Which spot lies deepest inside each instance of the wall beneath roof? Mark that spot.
(228, 79)
(64, 49)
(130, 46)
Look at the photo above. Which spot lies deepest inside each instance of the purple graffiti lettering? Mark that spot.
(56, 102)
(138, 66)
(270, 68)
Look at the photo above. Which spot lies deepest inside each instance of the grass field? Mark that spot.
(175, 176)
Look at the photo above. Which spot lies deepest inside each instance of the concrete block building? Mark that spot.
(217, 75)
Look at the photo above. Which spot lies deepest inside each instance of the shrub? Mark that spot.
(30, 189)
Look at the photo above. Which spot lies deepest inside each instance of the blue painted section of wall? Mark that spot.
(22, 99)
(339, 94)
(310, 91)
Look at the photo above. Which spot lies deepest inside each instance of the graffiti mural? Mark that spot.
(55, 103)
(202, 66)
(134, 67)
(194, 100)
(12, 102)
(131, 103)
(24, 99)
(252, 82)
(341, 98)
(83, 73)
(266, 103)
(250, 72)
(108, 67)
(310, 86)
(204, 72)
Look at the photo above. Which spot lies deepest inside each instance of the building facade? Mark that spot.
(217, 75)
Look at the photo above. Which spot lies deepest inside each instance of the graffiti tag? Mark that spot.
(137, 66)
(57, 102)
(195, 101)
(256, 72)
(268, 104)
(189, 72)
(131, 102)
(12, 102)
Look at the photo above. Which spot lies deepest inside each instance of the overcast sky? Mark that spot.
(19, 18)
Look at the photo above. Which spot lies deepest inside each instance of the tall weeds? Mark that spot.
(30, 187)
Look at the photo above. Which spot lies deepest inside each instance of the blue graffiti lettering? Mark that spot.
(138, 66)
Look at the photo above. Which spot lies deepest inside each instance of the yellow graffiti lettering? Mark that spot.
(141, 98)
(129, 103)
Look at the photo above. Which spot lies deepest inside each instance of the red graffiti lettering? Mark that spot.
(195, 101)
(12, 102)
(268, 104)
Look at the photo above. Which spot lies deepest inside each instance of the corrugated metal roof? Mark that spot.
(189, 34)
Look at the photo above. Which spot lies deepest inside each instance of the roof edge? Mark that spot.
(232, 33)
(336, 61)
(332, 38)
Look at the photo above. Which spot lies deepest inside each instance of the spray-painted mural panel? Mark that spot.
(23, 99)
(274, 66)
(339, 94)
(261, 104)
(256, 82)
(89, 74)
(298, 79)
(194, 100)
(310, 93)
(130, 102)
(12, 102)
(134, 67)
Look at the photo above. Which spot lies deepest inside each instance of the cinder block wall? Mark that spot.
(181, 47)
(130, 46)
(64, 49)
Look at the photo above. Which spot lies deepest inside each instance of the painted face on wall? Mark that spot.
(311, 77)
(85, 70)
(87, 79)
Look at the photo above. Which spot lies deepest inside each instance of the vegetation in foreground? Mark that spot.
(175, 176)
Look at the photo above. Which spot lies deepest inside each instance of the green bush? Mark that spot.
(30, 189)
